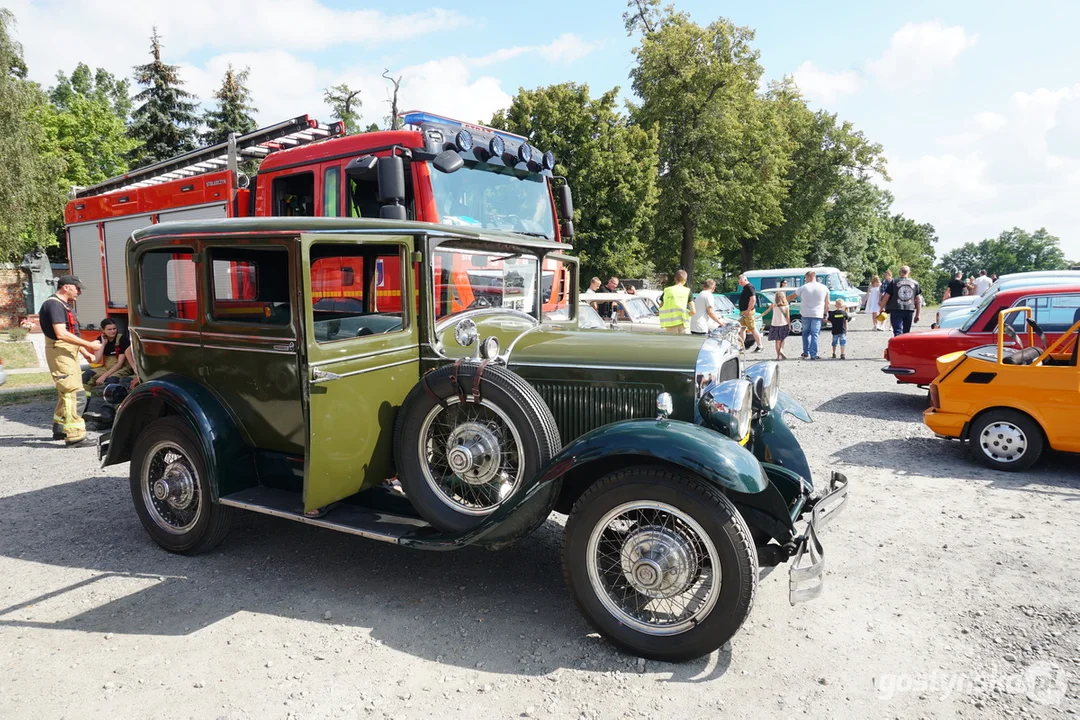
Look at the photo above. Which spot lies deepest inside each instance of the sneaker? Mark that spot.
(816, 357)
(804, 356)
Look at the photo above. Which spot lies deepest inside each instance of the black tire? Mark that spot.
(1017, 446)
(508, 401)
(725, 529)
(211, 521)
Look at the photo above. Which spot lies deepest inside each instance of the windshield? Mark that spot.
(589, 318)
(722, 303)
(986, 301)
(494, 197)
(466, 279)
(637, 308)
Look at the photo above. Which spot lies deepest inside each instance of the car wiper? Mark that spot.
(532, 234)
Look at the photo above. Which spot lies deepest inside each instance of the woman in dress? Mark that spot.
(781, 320)
(873, 301)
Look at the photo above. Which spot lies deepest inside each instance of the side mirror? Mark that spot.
(566, 203)
(448, 161)
(361, 165)
(567, 230)
(392, 179)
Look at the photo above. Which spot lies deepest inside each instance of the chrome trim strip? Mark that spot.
(602, 367)
(510, 348)
(142, 328)
(318, 522)
(373, 369)
(360, 356)
(277, 340)
(170, 342)
(254, 350)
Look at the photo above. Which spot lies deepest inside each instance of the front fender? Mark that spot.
(774, 443)
(229, 461)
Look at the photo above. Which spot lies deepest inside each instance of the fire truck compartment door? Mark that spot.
(117, 233)
(204, 212)
(84, 246)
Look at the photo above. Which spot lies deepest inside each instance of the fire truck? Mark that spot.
(435, 169)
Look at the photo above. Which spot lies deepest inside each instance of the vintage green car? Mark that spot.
(329, 371)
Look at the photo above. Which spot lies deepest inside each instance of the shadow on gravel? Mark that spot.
(897, 406)
(506, 611)
(936, 458)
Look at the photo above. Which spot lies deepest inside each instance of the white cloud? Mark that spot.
(565, 49)
(823, 86)
(918, 50)
(1019, 166)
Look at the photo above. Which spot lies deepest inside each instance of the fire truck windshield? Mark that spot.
(494, 197)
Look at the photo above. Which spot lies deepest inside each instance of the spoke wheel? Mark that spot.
(1006, 439)
(654, 567)
(170, 488)
(471, 455)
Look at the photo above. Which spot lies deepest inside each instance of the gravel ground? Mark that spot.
(948, 595)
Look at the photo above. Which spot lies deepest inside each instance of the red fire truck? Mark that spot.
(435, 170)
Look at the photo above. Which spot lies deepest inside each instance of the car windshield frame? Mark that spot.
(977, 313)
(466, 252)
(482, 196)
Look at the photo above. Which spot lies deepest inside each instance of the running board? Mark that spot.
(359, 520)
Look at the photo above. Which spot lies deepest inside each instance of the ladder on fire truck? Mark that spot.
(256, 145)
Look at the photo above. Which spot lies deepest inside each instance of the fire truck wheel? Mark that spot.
(467, 440)
(171, 491)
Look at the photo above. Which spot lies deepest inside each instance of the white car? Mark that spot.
(631, 311)
(954, 312)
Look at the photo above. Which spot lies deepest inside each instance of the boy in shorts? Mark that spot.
(839, 319)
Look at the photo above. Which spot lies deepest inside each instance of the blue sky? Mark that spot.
(976, 104)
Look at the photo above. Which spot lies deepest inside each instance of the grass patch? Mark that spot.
(25, 395)
(18, 355)
(21, 380)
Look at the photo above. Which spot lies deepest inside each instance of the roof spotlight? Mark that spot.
(463, 140)
(496, 146)
(525, 152)
(549, 160)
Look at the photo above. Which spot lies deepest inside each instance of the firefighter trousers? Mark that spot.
(63, 360)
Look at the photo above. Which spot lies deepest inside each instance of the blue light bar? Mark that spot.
(417, 117)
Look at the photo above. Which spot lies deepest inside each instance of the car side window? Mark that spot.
(294, 195)
(250, 285)
(1053, 313)
(357, 291)
(168, 284)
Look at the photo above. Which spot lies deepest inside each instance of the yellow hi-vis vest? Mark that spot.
(673, 311)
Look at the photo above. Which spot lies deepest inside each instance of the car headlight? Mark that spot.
(765, 377)
(728, 407)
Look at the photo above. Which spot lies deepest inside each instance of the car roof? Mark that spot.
(1019, 292)
(788, 271)
(328, 225)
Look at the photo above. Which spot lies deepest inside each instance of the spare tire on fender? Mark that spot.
(467, 438)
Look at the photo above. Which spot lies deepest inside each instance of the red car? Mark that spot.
(912, 357)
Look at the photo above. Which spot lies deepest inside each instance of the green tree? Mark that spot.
(234, 111)
(723, 157)
(165, 122)
(609, 163)
(1012, 251)
(30, 197)
(345, 105)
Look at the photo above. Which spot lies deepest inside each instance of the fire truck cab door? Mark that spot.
(363, 358)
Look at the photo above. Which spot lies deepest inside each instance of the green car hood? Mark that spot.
(562, 345)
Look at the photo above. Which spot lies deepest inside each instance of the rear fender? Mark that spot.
(774, 443)
(229, 460)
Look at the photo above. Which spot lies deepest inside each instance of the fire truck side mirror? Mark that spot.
(448, 161)
(566, 202)
(567, 231)
(391, 180)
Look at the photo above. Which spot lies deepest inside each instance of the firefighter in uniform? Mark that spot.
(62, 343)
(674, 306)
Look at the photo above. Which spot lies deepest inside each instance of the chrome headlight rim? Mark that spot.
(765, 377)
(728, 407)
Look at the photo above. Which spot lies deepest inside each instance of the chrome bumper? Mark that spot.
(103, 447)
(806, 575)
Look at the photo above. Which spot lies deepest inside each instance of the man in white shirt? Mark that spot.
(703, 311)
(982, 283)
(815, 303)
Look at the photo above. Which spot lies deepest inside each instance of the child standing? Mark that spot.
(839, 319)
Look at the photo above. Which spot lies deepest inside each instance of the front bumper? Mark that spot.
(806, 575)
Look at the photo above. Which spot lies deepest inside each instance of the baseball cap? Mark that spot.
(68, 280)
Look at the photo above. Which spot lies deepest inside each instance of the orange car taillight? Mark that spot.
(935, 397)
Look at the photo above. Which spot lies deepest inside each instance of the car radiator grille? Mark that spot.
(580, 407)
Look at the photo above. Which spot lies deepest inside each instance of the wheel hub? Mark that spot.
(472, 453)
(659, 562)
(176, 486)
(1003, 441)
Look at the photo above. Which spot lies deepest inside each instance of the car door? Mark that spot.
(363, 358)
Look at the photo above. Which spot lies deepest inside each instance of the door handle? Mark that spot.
(318, 375)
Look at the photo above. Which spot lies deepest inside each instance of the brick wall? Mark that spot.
(12, 300)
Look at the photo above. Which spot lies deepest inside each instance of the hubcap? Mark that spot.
(796, 326)
(170, 489)
(471, 455)
(653, 567)
(1003, 442)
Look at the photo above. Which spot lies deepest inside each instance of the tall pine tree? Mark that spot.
(234, 109)
(165, 121)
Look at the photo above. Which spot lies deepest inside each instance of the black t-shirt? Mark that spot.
(839, 319)
(744, 298)
(55, 311)
(956, 288)
(605, 308)
(116, 346)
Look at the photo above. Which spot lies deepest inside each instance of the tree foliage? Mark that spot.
(609, 163)
(345, 105)
(30, 196)
(165, 122)
(1012, 251)
(233, 111)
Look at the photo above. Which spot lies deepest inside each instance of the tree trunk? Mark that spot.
(687, 256)
(746, 254)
